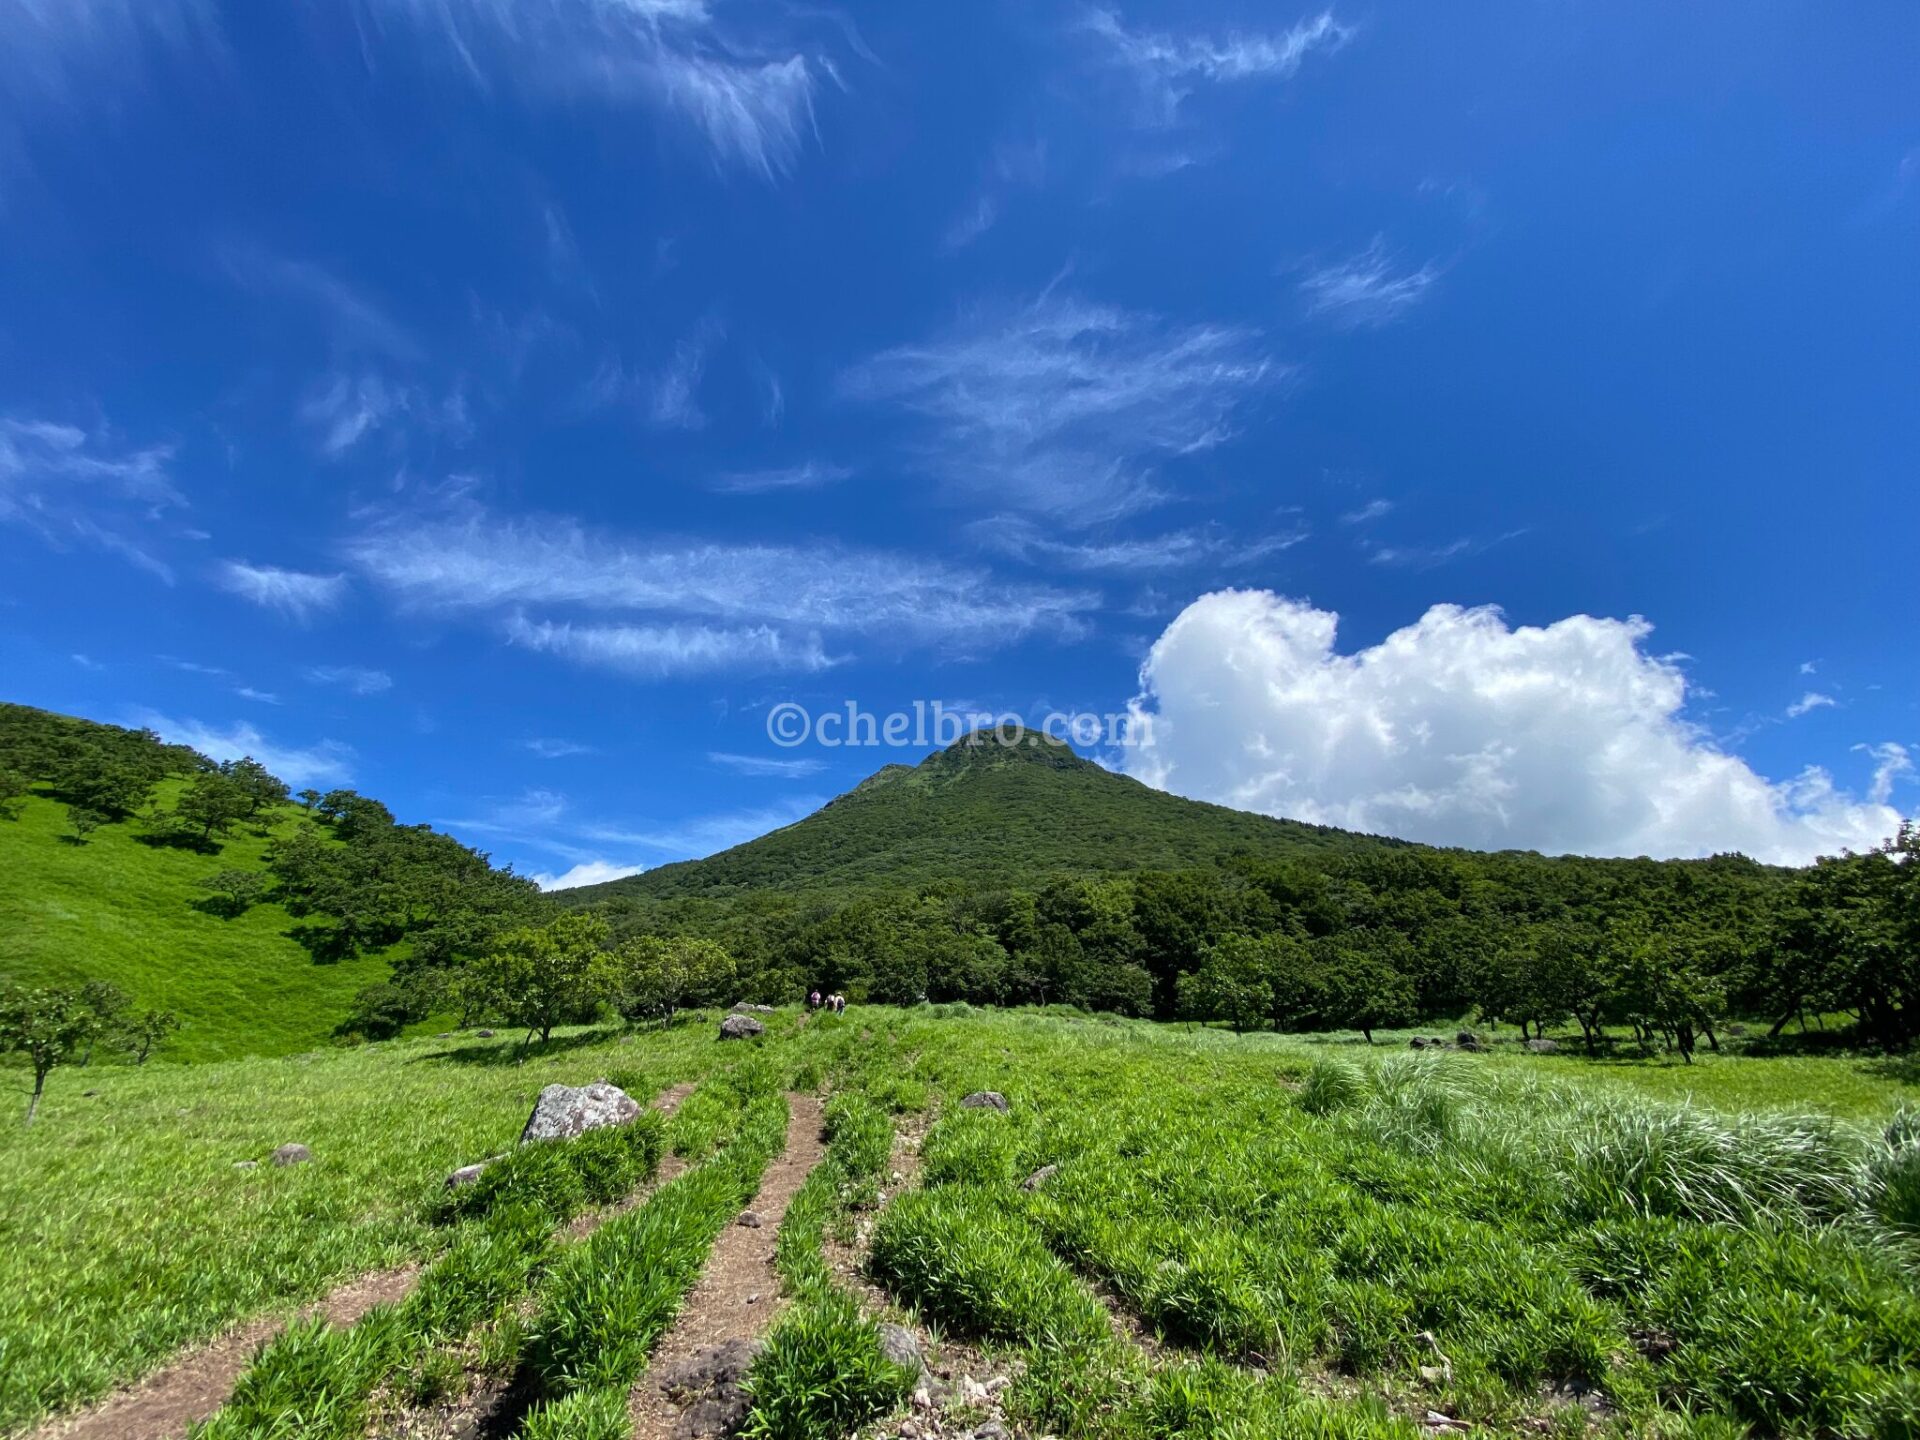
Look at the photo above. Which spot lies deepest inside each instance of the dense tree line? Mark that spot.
(1367, 939)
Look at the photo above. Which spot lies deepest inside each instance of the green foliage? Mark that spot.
(652, 977)
(541, 976)
(48, 1027)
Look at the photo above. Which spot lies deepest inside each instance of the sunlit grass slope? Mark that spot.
(119, 910)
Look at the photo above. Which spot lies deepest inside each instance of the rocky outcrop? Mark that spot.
(564, 1111)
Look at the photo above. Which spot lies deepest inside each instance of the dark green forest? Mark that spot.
(1026, 875)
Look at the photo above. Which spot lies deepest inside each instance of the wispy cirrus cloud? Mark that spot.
(71, 485)
(68, 52)
(1167, 68)
(552, 749)
(327, 762)
(352, 320)
(1173, 550)
(767, 765)
(297, 594)
(657, 652)
(1808, 703)
(810, 475)
(354, 679)
(745, 88)
(1366, 290)
(1066, 407)
(691, 606)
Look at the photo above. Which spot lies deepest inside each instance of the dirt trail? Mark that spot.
(691, 1387)
(169, 1401)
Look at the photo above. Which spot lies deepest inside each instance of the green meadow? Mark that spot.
(1245, 1235)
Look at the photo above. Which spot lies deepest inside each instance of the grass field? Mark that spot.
(118, 910)
(1246, 1235)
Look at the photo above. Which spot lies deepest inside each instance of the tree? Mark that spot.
(48, 1026)
(211, 803)
(147, 1032)
(1365, 992)
(14, 788)
(539, 976)
(655, 976)
(108, 1002)
(258, 784)
(308, 798)
(379, 1013)
(82, 821)
(233, 892)
(1232, 984)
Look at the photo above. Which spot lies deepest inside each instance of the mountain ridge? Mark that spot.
(989, 811)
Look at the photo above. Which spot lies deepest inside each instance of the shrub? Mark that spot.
(1331, 1085)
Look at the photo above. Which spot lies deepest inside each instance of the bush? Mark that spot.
(1331, 1085)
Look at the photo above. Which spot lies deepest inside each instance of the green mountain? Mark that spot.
(988, 814)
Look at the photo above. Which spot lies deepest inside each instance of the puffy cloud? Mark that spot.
(1463, 730)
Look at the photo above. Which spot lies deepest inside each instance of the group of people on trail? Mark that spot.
(835, 1003)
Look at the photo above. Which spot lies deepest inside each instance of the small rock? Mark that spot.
(910, 1429)
(972, 1391)
(997, 1384)
(749, 1220)
(740, 1027)
(984, 1100)
(1543, 1046)
(754, 1299)
(292, 1155)
(901, 1347)
(566, 1111)
(1416, 1043)
(484, 1034)
(922, 1399)
(467, 1174)
(1434, 1374)
(1467, 1040)
(1039, 1177)
(245, 1164)
(992, 1430)
(88, 1094)
(444, 1035)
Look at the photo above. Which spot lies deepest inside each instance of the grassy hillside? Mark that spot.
(119, 910)
(990, 815)
(1338, 1209)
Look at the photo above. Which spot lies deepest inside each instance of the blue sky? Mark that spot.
(499, 406)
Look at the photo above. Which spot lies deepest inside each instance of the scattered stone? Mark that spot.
(754, 1299)
(467, 1174)
(743, 1008)
(997, 1384)
(1467, 1040)
(566, 1111)
(1436, 1423)
(1039, 1177)
(749, 1220)
(984, 1100)
(740, 1027)
(972, 1392)
(246, 1164)
(910, 1429)
(922, 1399)
(1543, 1046)
(901, 1347)
(484, 1034)
(444, 1035)
(992, 1430)
(292, 1155)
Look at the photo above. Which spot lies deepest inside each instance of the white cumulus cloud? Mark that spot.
(321, 765)
(1461, 729)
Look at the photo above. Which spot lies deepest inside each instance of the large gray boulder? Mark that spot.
(984, 1100)
(1540, 1045)
(564, 1111)
(740, 1027)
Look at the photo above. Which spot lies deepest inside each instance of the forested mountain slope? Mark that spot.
(986, 815)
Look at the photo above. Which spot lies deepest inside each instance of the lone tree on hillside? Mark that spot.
(655, 976)
(232, 892)
(147, 1032)
(539, 976)
(47, 1026)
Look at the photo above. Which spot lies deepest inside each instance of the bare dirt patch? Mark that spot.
(691, 1388)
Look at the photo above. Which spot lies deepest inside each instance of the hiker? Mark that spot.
(813, 1001)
